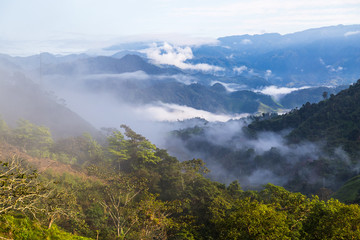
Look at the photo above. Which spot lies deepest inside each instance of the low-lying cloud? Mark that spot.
(103, 109)
(246, 41)
(268, 73)
(230, 87)
(347, 34)
(231, 154)
(177, 56)
(140, 76)
(174, 112)
(240, 70)
(334, 69)
(278, 92)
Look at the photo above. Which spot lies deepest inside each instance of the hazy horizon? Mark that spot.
(84, 26)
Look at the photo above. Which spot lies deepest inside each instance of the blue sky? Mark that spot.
(84, 23)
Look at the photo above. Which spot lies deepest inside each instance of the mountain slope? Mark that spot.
(336, 120)
(313, 95)
(21, 98)
(350, 191)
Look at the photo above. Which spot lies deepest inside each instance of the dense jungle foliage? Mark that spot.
(127, 188)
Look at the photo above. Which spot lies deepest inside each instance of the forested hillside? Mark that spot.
(128, 188)
(297, 98)
(307, 150)
(335, 120)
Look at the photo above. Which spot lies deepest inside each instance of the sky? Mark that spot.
(76, 25)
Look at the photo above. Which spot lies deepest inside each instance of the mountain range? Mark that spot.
(308, 63)
(328, 55)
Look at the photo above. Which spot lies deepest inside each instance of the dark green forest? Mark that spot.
(124, 187)
(335, 120)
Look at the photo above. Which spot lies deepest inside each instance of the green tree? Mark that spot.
(253, 220)
(141, 151)
(132, 151)
(155, 217)
(80, 150)
(332, 220)
(4, 129)
(234, 189)
(20, 189)
(325, 95)
(194, 169)
(117, 147)
(94, 149)
(59, 203)
(118, 202)
(31, 137)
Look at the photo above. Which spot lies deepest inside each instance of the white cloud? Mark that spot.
(230, 87)
(268, 73)
(184, 79)
(340, 68)
(334, 69)
(331, 67)
(278, 92)
(173, 112)
(140, 76)
(231, 55)
(177, 56)
(240, 70)
(246, 41)
(351, 33)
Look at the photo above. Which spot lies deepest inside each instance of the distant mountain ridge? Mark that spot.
(163, 84)
(276, 40)
(213, 99)
(328, 55)
(314, 57)
(102, 64)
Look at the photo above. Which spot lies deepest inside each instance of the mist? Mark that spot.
(21, 98)
(279, 92)
(232, 154)
(109, 100)
(104, 109)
